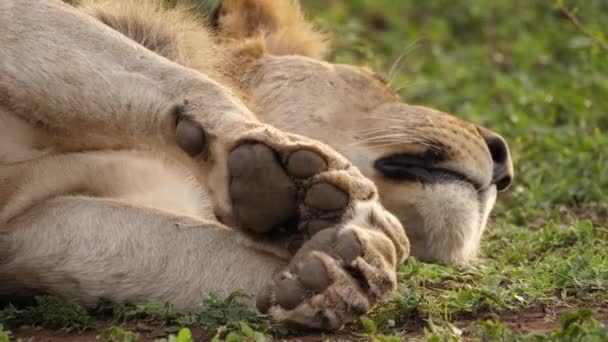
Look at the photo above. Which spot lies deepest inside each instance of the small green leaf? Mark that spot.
(246, 330)
(369, 326)
(184, 335)
(234, 337)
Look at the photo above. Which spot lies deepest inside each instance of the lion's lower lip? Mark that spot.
(457, 176)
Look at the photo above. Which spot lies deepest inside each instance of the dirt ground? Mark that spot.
(531, 321)
(535, 321)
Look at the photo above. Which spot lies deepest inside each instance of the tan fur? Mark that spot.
(280, 23)
(90, 138)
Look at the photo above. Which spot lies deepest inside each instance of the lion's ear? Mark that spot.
(280, 23)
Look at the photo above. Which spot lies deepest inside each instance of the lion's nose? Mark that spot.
(503, 166)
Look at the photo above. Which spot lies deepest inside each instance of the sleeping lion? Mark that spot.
(151, 153)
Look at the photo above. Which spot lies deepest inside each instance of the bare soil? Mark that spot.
(529, 321)
(535, 320)
(595, 215)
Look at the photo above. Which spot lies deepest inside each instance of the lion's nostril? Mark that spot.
(499, 150)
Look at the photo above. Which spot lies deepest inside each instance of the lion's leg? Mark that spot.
(139, 178)
(91, 249)
(95, 88)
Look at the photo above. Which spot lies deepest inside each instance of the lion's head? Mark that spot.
(437, 173)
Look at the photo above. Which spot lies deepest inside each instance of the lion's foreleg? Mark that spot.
(92, 249)
(95, 87)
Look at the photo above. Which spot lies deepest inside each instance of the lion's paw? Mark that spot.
(287, 181)
(339, 274)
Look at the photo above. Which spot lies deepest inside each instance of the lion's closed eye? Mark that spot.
(423, 169)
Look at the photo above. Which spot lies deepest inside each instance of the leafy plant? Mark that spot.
(49, 312)
(164, 312)
(230, 312)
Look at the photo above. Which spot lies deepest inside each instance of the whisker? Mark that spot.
(381, 130)
(405, 85)
(392, 71)
(387, 118)
(391, 133)
(397, 140)
(388, 136)
(395, 143)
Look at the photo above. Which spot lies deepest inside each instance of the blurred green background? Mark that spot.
(535, 71)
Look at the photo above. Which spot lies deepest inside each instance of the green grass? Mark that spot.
(224, 317)
(535, 71)
(228, 318)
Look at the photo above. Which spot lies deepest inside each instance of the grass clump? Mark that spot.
(230, 312)
(49, 312)
(232, 318)
(162, 313)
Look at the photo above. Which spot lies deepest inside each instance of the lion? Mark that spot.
(133, 169)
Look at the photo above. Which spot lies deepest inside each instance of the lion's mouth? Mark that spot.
(404, 167)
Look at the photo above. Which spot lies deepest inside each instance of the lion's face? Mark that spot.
(437, 173)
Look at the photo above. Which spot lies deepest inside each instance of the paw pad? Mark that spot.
(325, 196)
(305, 164)
(262, 194)
(266, 194)
(289, 293)
(313, 274)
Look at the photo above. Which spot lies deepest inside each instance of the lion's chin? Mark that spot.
(444, 222)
